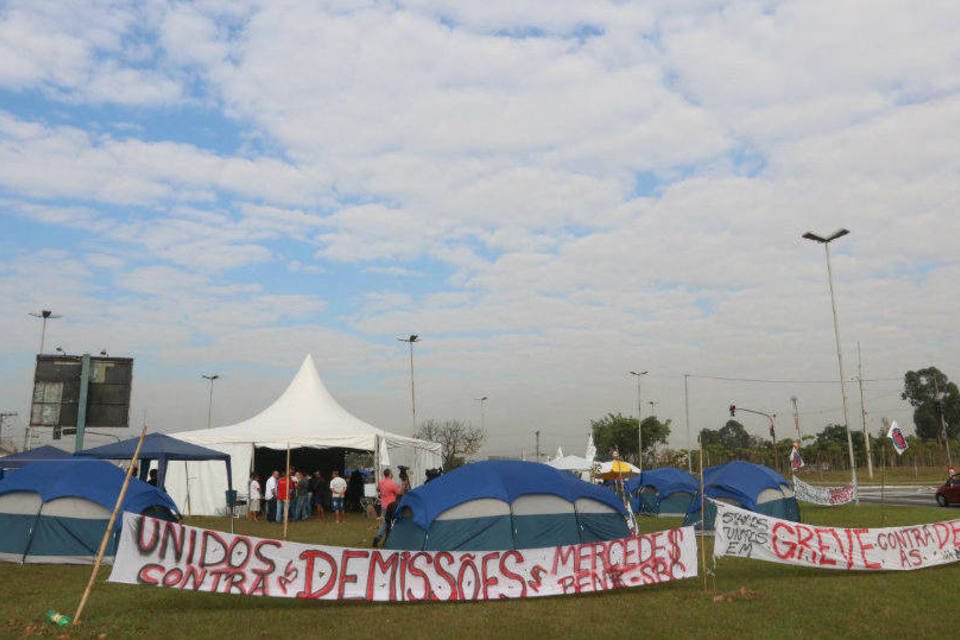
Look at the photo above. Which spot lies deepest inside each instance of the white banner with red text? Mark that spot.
(824, 496)
(167, 554)
(745, 534)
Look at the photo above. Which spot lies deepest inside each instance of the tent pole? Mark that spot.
(106, 534)
(703, 525)
(286, 503)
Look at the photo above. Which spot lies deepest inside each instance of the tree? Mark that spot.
(920, 389)
(617, 431)
(733, 436)
(457, 438)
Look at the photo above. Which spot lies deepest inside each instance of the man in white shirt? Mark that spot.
(271, 496)
(253, 497)
(338, 488)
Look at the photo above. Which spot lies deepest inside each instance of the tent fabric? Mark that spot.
(93, 480)
(18, 460)
(662, 491)
(305, 415)
(159, 447)
(506, 504)
(56, 512)
(571, 463)
(750, 486)
(504, 480)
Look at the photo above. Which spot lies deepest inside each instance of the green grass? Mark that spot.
(894, 475)
(785, 602)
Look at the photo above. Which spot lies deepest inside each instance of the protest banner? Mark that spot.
(746, 534)
(824, 496)
(167, 554)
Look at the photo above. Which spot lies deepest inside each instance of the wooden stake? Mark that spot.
(286, 506)
(703, 525)
(106, 534)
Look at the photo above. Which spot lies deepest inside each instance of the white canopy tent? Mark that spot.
(305, 415)
(571, 463)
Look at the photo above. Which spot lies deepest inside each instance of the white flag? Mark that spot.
(899, 441)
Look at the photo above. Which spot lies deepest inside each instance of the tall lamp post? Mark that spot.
(413, 395)
(825, 241)
(482, 401)
(210, 378)
(44, 315)
(639, 375)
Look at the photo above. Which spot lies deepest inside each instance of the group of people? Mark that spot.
(305, 495)
(300, 496)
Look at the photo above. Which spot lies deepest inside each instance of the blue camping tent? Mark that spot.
(159, 447)
(23, 458)
(18, 460)
(665, 491)
(506, 504)
(57, 511)
(747, 485)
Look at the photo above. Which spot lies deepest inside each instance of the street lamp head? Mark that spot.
(640, 373)
(59, 349)
(211, 378)
(482, 399)
(46, 314)
(810, 235)
(413, 338)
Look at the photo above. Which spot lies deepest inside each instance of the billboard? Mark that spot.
(57, 385)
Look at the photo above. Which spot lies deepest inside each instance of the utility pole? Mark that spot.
(686, 412)
(210, 378)
(943, 427)
(825, 241)
(796, 417)
(537, 434)
(863, 412)
(413, 395)
(639, 375)
(481, 401)
(3, 416)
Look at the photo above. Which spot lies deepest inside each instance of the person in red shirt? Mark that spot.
(389, 494)
(283, 496)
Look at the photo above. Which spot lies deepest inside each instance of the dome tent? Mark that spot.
(56, 512)
(665, 491)
(505, 504)
(750, 486)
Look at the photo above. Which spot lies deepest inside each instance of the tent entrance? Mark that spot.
(306, 459)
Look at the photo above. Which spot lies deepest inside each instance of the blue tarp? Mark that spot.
(665, 482)
(18, 460)
(502, 480)
(742, 483)
(93, 480)
(159, 447)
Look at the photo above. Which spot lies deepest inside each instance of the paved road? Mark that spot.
(902, 495)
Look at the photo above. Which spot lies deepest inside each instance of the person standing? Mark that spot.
(304, 497)
(271, 496)
(338, 489)
(389, 493)
(317, 488)
(283, 497)
(253, 498)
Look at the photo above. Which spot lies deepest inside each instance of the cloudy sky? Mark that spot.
(551, 194)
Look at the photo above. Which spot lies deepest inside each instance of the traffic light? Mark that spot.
(733, 410)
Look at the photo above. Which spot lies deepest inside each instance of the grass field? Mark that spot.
(894, 475)
(784, 601)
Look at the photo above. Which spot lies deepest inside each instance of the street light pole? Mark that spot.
(943, 427)
(481, 401)
(210, 378)
(825, 241)
(44, 315)
(639, 375)
(413, 395)
(686, 414)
